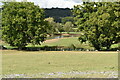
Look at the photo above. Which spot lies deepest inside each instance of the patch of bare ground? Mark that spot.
(1, 41)
(51, 40)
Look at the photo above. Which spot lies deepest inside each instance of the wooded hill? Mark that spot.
(57, 13)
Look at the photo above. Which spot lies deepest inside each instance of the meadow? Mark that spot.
(59, 64)
(63, 57)
(66, 42)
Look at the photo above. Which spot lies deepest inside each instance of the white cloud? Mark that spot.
(78, 1)
(55, 3)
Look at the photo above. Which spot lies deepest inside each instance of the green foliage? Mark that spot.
(55, 27)
(99, 21)
(66, 19)
(23, 23)
(57, 13)
(0, 20)
(68, 27)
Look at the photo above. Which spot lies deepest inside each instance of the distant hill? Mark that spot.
(57, 13)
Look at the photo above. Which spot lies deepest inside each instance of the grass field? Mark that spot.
(64, 64)
(67, 42)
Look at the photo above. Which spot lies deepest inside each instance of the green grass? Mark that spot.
(0, 33)
(68, 42)
(24, 62)
(116, 45)
(6, 45)
(64, 42)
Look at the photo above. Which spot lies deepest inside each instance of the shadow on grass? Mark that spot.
(2, 47)
(46, 48)
(53, 48)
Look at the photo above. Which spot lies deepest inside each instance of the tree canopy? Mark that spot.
(23, 23)
(68, 27)
(99, 22)
(55, 27)
(58, 13)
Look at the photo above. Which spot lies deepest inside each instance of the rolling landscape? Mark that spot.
(82, 42)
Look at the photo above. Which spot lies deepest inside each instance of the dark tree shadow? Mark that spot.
(54, 48)
(2, 47)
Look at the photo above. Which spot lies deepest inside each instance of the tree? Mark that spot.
(99, 21)
(59, 27)
(66, 19)
(50, 20)
(55, 27)
(68, 26)
(23, 23)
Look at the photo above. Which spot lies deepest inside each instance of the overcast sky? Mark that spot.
(56, 3)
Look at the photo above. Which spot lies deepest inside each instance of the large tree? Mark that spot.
(99, 21)
(55, 27)
(68, 27)
(23, 23)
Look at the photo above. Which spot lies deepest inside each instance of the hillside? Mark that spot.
(57, 13)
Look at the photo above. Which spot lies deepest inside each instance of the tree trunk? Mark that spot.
(21, 48)
(108, 47)
(97, 47)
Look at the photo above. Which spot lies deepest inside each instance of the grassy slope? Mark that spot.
(63, 42)
(67, 42)
(22, 62)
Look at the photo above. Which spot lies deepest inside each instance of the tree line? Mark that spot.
(24, 23)
(57, 13)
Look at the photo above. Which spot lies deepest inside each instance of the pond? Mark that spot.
(62, 36)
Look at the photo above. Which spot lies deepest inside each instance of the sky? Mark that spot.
(55, 3)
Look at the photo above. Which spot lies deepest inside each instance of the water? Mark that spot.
(61, 36)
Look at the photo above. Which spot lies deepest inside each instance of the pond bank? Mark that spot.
(57, 36)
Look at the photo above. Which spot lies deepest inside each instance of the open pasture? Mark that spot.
(59, 64)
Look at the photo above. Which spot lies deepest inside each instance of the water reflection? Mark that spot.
(61, 36)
